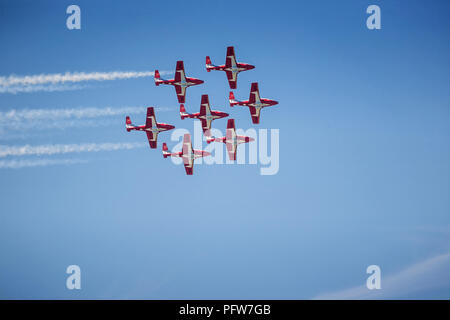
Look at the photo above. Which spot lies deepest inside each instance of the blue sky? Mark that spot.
(364, 153)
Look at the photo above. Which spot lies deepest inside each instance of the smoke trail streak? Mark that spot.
(30, 128)
(35, 88)
(17, 164)
(15, 80)
(52, 149)
(15, 115)
(30, 120)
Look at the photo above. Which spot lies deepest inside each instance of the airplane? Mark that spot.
(255, 102)
(187, 153)
(206, 115)
(180, 82)
(151, 127)
(231, 140)
(231, 67)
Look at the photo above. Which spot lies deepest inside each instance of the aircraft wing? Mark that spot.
(231, 127)
(181, 93)
(255, 113)
(254, 93)
(179, 72)
(205, 108)
(230, 139)
(231, 130)
(231, 148)
(187, 151)
(230, 60)
(152, 139)
(189, 170)
(232, 79)
(151, 119)
(206, 124)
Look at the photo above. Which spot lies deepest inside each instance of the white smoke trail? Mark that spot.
(30, 128)
(15, 115)
(15, 80)
(17, 164)
(35, 88)
(51, 149)
(42, 119)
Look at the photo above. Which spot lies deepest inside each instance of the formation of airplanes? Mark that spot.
(181, 82)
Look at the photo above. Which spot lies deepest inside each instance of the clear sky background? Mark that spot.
(364, 120)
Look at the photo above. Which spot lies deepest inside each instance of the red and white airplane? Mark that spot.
(255, 102)
(206, 115)
(187, 153)
(151, 127)
(231, 67)
(231, 140)
(180, 82)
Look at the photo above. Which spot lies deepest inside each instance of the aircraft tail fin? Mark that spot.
(128, 123)
(209, 64)
(233, 101)
(157, 78)
(165, 150)
(183, 113)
